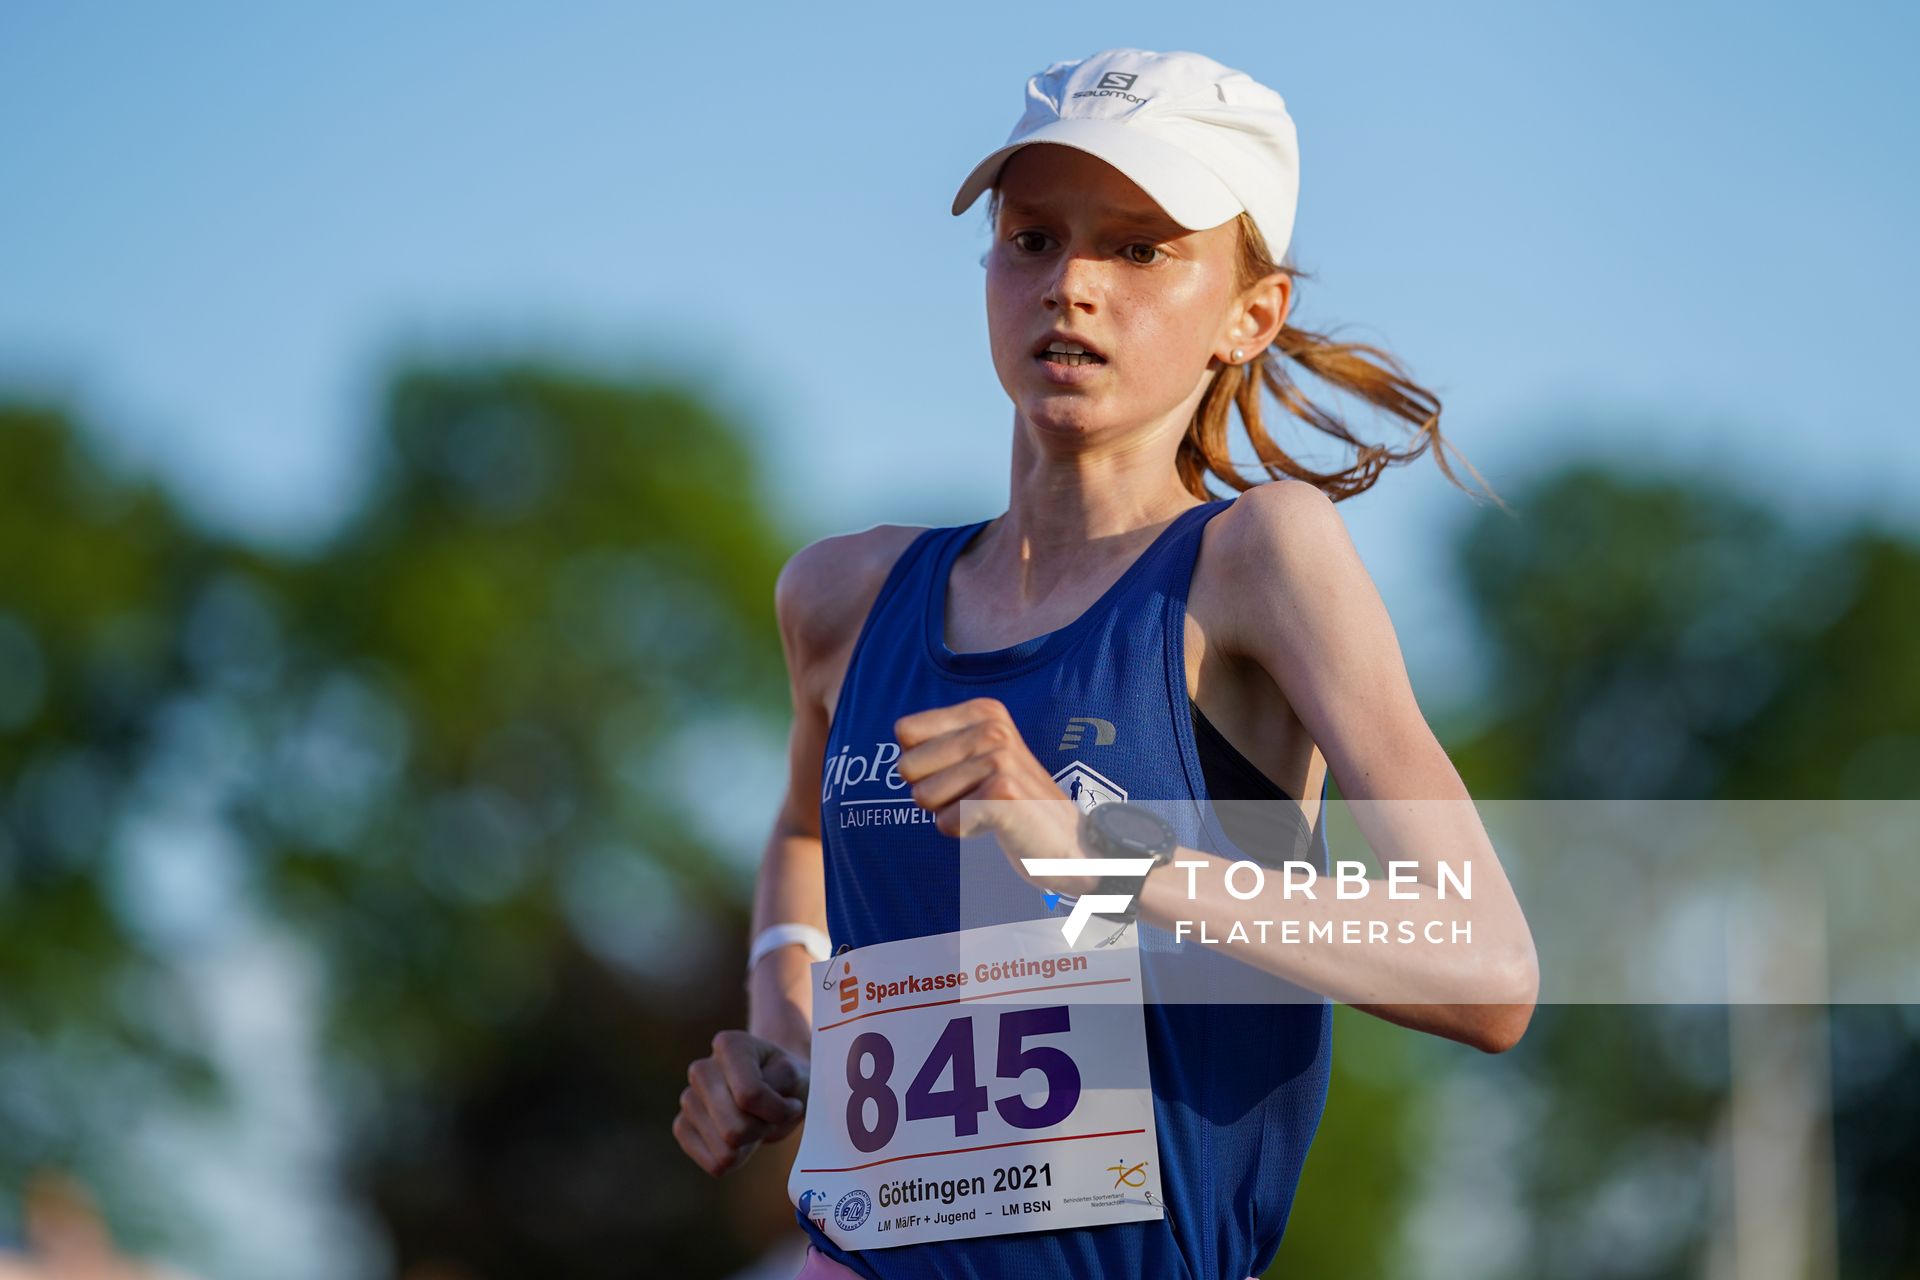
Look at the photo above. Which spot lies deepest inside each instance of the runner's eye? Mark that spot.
(1156, 253)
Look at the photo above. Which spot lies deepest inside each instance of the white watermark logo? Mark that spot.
(1089, 905)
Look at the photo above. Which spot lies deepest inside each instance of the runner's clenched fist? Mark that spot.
(973, 752)
(746, 1092)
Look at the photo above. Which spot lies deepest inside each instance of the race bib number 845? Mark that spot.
(976, 1083)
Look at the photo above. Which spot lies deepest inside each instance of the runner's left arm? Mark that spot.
(1310, 615)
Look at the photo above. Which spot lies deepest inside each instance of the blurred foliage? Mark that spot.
(460, 753)
(1664, 639)
(95, 567)
(455, 749)
(1655, 637)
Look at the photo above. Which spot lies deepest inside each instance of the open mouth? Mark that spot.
(1065, 351)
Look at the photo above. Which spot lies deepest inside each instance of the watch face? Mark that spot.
(1130, 824)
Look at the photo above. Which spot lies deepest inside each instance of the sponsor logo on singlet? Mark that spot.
(869, 792)
(868, 789)
(1080, 726)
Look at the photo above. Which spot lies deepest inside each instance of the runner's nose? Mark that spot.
(1075, 284)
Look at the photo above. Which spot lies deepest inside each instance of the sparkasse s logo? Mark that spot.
(849, 988)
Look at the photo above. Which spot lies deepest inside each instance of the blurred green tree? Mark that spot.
(560, 595)
(479, 752)
(1663, 638)
(95, 569)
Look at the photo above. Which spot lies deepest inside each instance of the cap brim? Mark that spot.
(1189, 192)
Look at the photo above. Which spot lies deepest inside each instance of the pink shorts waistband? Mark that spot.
(819, 1266)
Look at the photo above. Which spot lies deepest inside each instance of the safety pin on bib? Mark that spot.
(844, 948)
(829, 982)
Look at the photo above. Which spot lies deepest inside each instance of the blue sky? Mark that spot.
(1676, 230)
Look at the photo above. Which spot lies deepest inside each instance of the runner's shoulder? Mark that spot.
(826, 587)
(1278, 544)
(1278, 506)
(1273, 526)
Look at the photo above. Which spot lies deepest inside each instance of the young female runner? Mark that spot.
(1116, 631)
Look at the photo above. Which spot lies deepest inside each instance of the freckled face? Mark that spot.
(1079, 247)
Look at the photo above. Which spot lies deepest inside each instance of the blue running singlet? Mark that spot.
(1238, 1089)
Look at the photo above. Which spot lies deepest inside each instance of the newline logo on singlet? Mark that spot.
(847, 771)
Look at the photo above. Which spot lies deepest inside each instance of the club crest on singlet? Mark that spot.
(1087, 786)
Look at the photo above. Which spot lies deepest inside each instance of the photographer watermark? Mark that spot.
(1625, 901)
(1246, 880)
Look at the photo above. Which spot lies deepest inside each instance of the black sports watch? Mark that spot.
(1119, 829)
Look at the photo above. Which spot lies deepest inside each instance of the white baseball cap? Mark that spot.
(1205, 141)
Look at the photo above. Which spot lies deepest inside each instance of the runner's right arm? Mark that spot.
(792, 885)
(751, 1087)
(822, 598)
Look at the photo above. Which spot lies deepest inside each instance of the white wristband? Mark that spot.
(773, 937)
